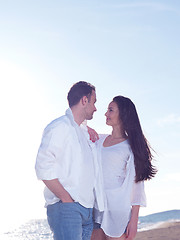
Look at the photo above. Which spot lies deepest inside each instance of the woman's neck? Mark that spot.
(117, 136)
(118, 133)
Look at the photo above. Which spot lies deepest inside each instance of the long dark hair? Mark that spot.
(139, 144)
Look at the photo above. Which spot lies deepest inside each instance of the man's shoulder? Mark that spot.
(61, 122)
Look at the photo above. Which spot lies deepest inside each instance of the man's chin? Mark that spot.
(89, 118)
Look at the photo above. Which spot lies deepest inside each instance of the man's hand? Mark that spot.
(56, 187)
(67, 199)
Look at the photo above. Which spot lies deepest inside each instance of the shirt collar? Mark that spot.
(69, 114)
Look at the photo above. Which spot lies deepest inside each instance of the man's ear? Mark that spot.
(84, 100)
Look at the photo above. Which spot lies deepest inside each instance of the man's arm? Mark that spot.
(56, 187)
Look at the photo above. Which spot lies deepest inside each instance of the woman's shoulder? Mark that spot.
(103, 136)
(101, 139)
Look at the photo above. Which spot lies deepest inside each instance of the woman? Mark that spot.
(126, 162)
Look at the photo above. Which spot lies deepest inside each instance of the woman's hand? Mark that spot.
(93, 134)
(132, 225)
(131, 230)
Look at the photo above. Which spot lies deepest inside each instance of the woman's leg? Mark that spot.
(119, 238)
(98, 234)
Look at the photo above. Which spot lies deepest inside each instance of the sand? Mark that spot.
(166, 231)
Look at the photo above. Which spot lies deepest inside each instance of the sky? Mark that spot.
(128, 48)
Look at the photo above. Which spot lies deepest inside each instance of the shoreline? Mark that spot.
(169, 230)
(165, 231)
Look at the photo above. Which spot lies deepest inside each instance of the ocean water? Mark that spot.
(39, 229)
(155, 220)
(31, 230)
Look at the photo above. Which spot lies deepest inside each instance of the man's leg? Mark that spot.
(65, 221)
(87, 231)
(87, 223)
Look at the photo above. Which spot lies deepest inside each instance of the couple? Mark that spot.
(86, 180)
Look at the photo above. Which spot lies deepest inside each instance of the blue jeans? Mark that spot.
(70, 221)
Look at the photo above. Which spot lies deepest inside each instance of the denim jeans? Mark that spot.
(70, 221)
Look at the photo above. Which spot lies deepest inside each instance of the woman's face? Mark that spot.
(112, 115)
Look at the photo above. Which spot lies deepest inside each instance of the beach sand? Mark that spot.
(166, 231)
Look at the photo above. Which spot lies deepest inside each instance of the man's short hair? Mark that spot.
(79, 90)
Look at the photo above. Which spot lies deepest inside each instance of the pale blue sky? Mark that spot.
(126, 48)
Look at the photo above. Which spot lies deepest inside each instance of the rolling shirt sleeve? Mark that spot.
(138, 194)
(49, 152)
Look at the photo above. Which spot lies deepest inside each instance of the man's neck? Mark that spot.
(77, 114)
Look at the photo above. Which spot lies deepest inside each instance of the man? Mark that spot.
(67, 164)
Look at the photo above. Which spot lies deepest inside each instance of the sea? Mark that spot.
(38, 228)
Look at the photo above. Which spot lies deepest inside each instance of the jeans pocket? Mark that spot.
(66, 202)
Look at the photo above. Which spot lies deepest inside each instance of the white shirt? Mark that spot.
(121, 191)
(67, 153)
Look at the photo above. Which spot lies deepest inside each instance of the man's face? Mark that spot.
(90, 107)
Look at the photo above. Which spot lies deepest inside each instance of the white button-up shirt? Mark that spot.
(66, 153)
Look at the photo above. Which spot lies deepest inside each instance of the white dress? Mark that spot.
(121, 191)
